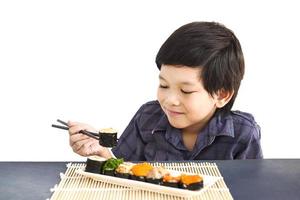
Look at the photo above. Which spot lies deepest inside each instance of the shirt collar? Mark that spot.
(172, 135)
(221, 125)
(162, 124)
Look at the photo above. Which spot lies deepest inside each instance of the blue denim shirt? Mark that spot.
(150, 137)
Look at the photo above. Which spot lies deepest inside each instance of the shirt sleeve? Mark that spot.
(251, 148)
(130, 145)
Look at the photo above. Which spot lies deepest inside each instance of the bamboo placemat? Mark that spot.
(75, 186)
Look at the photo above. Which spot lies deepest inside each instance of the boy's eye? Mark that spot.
(163, 86)
(186, 92)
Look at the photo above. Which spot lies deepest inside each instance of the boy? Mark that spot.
(201, 66)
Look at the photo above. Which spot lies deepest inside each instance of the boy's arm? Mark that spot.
(130, 145)
(252, 148)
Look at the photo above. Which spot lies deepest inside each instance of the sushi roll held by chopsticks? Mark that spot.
(108, 137)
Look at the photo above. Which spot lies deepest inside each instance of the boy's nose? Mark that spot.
(173, 100)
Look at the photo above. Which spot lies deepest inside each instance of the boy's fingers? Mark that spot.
(79, 144)
(96, 148)
(75, 129)
(89, 148)
(77, 137)
(78, 127)
(71, 123)
(74, 123)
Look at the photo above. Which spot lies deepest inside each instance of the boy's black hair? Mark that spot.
(212, 47)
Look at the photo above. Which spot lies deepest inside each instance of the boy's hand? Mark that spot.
(85, 145)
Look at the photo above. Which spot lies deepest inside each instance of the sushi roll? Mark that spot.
(191, 182)
(123, 170)
(108, 137)
(94, 164)
(110, 166)
(171, 181)
(156, 175)
(140, 171)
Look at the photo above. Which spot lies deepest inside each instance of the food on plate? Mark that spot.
(156, 174)
(191, 182)
(124, 170)
(140, 171)
(144, 172)
(94, 164)
(111, 165)
(171, 181)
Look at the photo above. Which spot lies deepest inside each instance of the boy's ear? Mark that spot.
(222, 97)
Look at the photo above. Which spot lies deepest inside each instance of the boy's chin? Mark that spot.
(177, 125)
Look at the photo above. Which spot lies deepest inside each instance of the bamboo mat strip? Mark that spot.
(75, 186)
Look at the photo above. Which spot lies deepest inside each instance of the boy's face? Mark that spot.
(183, 98)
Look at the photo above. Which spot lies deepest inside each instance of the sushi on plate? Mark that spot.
(191, 182)
(123, 170)
(111, 165)
(171, 181)
(94, 164)
(140, 171)
(156, 174)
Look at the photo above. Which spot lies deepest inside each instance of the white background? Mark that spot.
(93, 61)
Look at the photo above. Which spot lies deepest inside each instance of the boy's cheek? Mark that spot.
(160, 96)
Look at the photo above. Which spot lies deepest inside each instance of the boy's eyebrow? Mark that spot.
(183, 83)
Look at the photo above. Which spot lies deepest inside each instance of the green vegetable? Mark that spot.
(112, 164)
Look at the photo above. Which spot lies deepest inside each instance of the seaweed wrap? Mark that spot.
(94, 164)
(108, 137)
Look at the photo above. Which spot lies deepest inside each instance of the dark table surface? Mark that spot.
(246, 179)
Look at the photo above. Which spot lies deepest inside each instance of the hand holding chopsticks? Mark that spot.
(87, 147)
(66, 127)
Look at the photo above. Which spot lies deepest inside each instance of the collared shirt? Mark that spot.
(150, 137)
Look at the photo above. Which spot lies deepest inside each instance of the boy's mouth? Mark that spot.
(173, 113)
